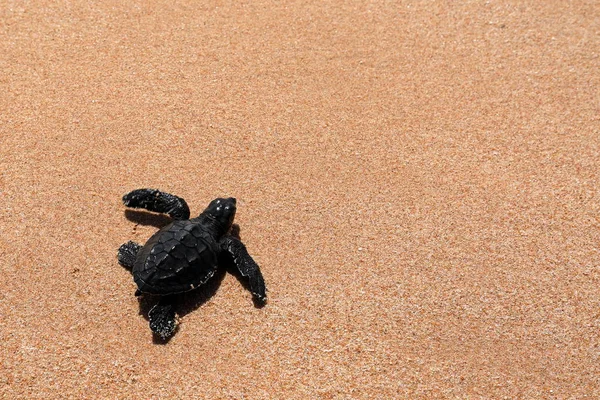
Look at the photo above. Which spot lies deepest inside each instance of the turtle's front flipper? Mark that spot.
(156, 201)
(162, 318)
(127, 254)
(247, 267)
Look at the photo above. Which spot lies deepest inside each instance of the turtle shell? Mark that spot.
(178, 258)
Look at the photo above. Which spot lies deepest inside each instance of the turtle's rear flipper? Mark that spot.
(162, 319)
(156, 201)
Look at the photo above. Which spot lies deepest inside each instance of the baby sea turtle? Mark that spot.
(183, 255)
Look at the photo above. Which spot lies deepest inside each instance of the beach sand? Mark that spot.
(418, 180)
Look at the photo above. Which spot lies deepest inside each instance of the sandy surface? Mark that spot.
(420, 182)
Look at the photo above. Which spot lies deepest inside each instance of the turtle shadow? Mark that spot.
(191, 301)
(185, 303)
(148, 219)
(188, 302)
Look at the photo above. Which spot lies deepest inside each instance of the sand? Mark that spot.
(418, 180)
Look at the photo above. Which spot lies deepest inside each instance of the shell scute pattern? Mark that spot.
(180, 255)
(166, 236)
(158, 259)
(189, 240)
(178, 252)
(171, 244)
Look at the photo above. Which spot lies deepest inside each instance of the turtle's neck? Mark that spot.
(213, 226)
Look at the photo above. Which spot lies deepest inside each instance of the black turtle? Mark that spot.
(183, 255)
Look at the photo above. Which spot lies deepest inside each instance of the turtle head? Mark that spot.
(222, 212)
